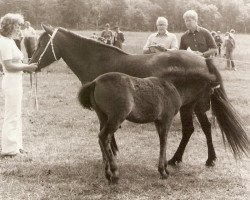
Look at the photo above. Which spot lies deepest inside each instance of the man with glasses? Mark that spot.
(196, 38)
(162, 40)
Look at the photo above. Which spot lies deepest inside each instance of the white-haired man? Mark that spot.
(162, 40)
(197, 38)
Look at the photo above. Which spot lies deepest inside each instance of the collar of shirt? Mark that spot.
(198, 28)
(165, 34)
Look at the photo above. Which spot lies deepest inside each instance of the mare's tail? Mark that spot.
(229, 121)
(84, 95)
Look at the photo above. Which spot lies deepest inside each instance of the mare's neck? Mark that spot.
(86, 58)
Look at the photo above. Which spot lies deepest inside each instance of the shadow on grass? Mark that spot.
(86, 180)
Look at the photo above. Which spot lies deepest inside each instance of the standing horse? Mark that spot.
(145, 100)
(88, 59)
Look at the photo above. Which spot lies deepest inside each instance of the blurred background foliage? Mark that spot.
(132, 15)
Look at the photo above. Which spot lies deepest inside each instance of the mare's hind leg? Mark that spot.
(206, 127)
(105, 137)
(162, 129)
(187, 130)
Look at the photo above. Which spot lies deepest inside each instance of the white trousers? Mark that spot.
(12, 125)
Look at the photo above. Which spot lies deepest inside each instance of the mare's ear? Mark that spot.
(48, 29)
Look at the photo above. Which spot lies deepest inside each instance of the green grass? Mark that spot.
(66, 162)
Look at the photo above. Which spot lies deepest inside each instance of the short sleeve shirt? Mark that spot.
(168, 40)
(200, 40)
(9, 51)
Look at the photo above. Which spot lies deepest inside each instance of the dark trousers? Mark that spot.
(229, 57)
(219, 50)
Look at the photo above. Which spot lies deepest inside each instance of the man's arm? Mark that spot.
(174, 43)
(182, 44)
(212, 47)
(146, 49)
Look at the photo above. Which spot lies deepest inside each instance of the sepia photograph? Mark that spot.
(125, 99)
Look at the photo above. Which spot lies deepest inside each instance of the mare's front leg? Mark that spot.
(162, 129)
(187, 130)
(105, 137)
(206, 127)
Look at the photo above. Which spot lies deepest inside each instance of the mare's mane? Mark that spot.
(83, 39)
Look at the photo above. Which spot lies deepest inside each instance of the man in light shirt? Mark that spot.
(162, 40)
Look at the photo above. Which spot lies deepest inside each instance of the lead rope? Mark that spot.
(36, 98)
(36, 105)
(34, 93)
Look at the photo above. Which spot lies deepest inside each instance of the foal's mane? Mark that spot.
(83, 39)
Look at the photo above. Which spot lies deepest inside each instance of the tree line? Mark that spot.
(132, 15)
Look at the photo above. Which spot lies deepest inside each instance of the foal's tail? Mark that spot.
(229, 121)
(84, 95)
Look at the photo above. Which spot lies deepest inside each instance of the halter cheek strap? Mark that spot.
(52, 46)
(39, 60)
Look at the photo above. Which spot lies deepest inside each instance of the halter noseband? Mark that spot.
(52, 46)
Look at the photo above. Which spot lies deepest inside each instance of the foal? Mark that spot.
(117, 97)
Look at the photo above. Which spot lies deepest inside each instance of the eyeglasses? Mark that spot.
(161, 25)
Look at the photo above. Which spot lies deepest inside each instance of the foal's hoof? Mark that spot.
(210, 162)
(174, 162)
(113, 180)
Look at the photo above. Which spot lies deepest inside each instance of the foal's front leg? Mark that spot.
(162, 129)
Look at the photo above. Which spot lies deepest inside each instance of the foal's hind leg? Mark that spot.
(162, 129)
(206, 127)
(187, 130)
(105, 137)
(103, 120)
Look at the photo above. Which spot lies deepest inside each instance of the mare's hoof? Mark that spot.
(174, 162)
(210, 163)
(164, 176)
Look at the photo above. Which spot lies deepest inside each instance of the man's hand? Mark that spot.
(160, 48)
(153, 49)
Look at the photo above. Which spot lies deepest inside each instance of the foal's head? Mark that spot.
(46, 51)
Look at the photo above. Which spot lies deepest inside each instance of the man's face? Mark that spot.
(191, 23)
(162, 27)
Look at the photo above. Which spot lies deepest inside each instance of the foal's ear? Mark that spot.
(48, 29)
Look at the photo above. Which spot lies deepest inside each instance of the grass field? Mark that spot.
(65, 160)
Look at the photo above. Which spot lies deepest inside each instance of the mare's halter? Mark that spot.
(52, 46)
(39, 60)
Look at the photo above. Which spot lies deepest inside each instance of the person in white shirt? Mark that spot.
(11, 59)
(162, 40)
(30, 38)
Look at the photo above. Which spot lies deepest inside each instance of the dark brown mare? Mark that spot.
(88, 59)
